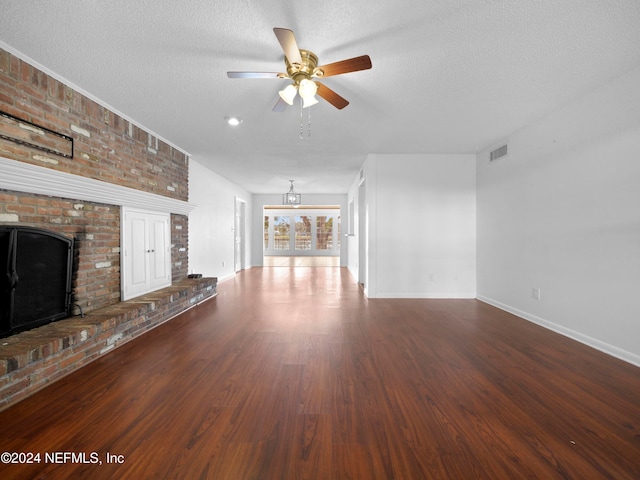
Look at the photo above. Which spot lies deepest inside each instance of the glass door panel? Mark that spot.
(303, 232)
(324, 232)
(266, 232)
(281, 229)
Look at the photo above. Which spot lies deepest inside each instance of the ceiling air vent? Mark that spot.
(498, 153)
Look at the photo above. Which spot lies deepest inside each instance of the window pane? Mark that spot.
(281, 228)
(324, 232)
(303, 232)
(266, 232)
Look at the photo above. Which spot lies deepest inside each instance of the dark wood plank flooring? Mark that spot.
(294, 374)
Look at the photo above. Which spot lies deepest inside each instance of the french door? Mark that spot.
(295, 232)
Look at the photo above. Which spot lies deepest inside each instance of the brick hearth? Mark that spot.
(33, 359)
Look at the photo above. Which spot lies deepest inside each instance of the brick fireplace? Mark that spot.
(115, 163)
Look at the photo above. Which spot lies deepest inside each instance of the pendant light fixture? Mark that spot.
(291, 197)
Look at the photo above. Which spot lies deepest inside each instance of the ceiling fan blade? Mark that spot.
(280, 105)
(289, 45)
(346, 66)
(332, 97)
(256, 75)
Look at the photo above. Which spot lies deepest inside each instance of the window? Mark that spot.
(303, 232)
(312, 231)
(324, 232)
(266, 231)
(281, 227)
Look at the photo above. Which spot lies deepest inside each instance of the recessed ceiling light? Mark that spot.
(233, 121)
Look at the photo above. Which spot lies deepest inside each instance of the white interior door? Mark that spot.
(135, 247)
(146, 252)
(159, 250)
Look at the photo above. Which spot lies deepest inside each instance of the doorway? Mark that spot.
(362, 234)
(239, 236)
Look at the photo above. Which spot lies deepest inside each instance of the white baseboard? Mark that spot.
(455, 295)
(226, 277)
(612, 350)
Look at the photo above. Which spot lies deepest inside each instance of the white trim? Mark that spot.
(612, 350)
(39, 66)
(25, 177)
(453, 295)
(226, 278)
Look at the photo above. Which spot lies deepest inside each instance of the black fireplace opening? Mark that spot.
(36, 267)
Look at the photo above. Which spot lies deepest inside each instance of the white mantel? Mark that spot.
(24, 177)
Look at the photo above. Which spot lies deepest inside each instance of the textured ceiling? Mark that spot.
(447, 76)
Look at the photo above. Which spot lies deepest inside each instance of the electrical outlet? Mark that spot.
(535, 293)
(223, 263)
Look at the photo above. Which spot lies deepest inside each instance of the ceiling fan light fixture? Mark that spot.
(301, 66)
(288, 94)
(309, 101)
(308, 88)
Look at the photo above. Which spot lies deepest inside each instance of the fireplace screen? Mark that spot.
(35, 282)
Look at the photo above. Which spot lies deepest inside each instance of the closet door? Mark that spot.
(160, 251)
(146, 252)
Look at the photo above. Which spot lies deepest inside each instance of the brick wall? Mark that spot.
(179, 246)
(96, 228)
(107, 148)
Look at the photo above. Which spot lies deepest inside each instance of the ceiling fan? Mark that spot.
(302, 67)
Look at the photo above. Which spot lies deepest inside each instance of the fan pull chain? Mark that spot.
(301, 131)
(302, 122)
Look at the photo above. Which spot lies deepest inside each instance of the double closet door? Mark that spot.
(146, 255)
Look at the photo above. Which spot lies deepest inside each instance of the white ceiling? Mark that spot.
(448, 76)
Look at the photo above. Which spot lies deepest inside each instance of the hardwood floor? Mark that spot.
(291, 373)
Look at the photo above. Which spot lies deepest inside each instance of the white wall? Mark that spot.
(561, 214)
(420, 214)
(211, 223)
(257, 219)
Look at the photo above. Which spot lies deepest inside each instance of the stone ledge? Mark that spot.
(31, 360)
